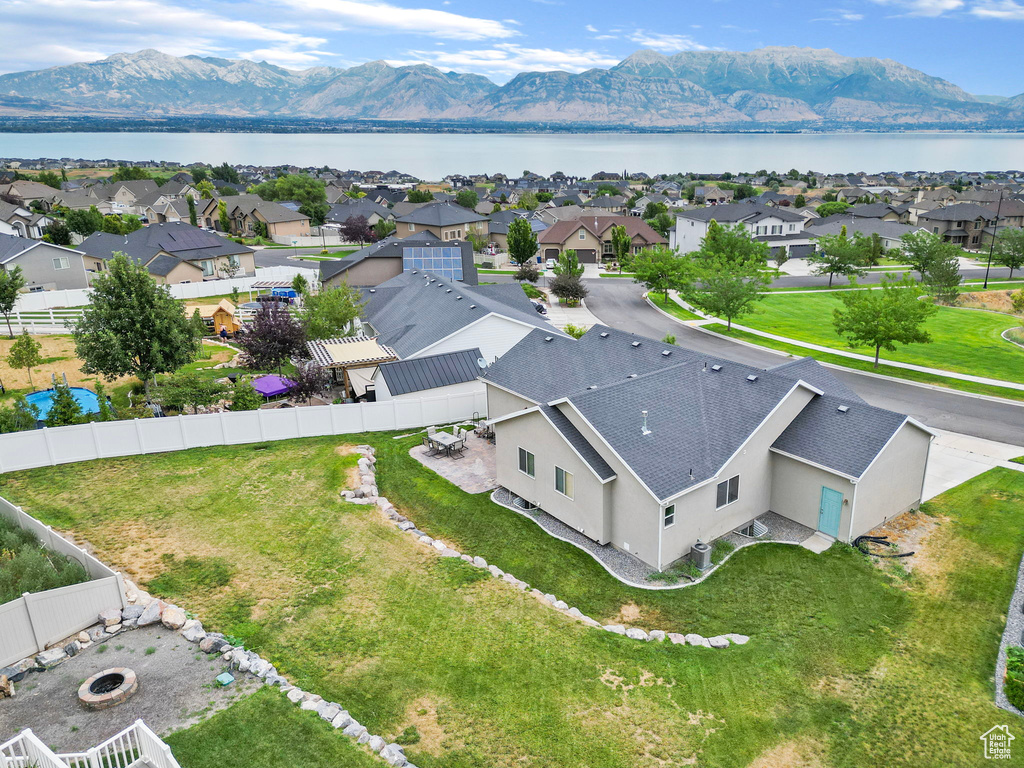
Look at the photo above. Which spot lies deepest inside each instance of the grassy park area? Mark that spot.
(849, 663)
(671, 306)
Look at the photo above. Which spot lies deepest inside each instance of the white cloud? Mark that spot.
(1004, 10)
(839, 16)
(591, 28)
(370, 14)
(929, 8)
(507, 59)
(663, 42)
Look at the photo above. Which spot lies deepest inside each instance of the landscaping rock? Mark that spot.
(618, 629)
(132, 611)
(393, 755)
(83, 638)
(377, 743)
(173, 617)
(575, 612)
(193, 631)
(448, 552)
(561, 605)
(695, 639)
(467, 558)
(438, 545)
(657, 635)
(363, 737)
(152, 613)
(718, 642)
(275, 679)
(406, 525)
(295, 695)
(110, 617)
(426, 540)
(309, 706)
(383, 502)
(676, 638)
(260, 668)
(496, 572)
(329, 712)
(590, 622)
(636, 634)
(211, 644)
(737, 639)
(97, 633)
(354, 730)
(51, 657)
(343, 720)
(72, 648)
(316, 699)
(113, 630)
(479, 562)
(550, 598)
(129, 623)
(240, 659)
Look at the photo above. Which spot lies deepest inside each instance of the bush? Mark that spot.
(26, 566)
(532, 291)
(576, 331)
(1015, 676)
(245, 397)
(527, 273)
(720, 550)
(486, 265)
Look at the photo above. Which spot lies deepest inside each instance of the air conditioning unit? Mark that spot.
(700, 555)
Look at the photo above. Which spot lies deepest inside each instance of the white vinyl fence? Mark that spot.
(35, 620)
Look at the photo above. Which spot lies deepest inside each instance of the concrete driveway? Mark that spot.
(956, 458)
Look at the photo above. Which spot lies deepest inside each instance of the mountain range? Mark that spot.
(769, 88)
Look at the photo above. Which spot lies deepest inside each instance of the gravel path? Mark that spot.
(1012, 635)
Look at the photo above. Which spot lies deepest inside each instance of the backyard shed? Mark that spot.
(219, 315)
(349, 358)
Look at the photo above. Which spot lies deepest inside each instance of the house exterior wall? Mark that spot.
(687, 234)
(501, 403)
(37, 266)
(585, 510)
(590, 242)
(183, 273)
(892, 484)
(298, 228)
(372, 271)
(796, 491)
(494, 335)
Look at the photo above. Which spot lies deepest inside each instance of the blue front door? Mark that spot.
(830, 511)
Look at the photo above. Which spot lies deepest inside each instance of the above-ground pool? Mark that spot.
(86, 399)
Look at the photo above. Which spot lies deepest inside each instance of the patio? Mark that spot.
(475, 472)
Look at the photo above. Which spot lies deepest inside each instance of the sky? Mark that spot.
(964, 41)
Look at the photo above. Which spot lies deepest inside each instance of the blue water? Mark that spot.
(86, 399)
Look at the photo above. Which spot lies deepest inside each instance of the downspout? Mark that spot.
(661, 527)
(853, 511)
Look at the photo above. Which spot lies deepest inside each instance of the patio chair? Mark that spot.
(455, 451)
(430, 445)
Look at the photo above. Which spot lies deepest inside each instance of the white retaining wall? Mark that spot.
(33, 621)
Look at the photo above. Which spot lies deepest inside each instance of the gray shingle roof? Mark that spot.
(817, 375)
(431, 371)
(735, 212)
(441, 215)
(12, 245)
(959, 212)
(576, 439)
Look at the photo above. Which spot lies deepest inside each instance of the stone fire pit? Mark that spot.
(108, 688)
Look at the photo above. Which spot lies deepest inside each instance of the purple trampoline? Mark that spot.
(271, 386)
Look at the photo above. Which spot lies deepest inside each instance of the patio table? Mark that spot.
(446, 440)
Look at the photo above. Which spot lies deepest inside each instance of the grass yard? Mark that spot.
(963, 340)
(59, 358)
(672, 307)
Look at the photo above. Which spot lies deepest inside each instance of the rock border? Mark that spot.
(367, 494)
(1013, 635)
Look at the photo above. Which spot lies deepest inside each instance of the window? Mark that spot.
(61, 262)
(583, 234)
(607, 249)
(776, 229)
(233, 261)
(526, 463)
(792, 227)
(412, 227)
(207, 267)
(728, 492)
(670, 515)
(563, 482)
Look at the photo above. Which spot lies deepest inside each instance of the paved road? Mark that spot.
(619, 303)
(873, 278)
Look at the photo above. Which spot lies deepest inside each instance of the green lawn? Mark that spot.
(670, 306)
(965, 341)
(863, 365)
(256, 541)
(496, 271)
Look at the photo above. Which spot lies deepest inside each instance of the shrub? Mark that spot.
(1015, 676)
(576, 331)
(720, 550)
(26, 566)
(486, 265)
(532, 291)
(245, 397)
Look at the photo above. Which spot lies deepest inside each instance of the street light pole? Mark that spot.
(992, 244)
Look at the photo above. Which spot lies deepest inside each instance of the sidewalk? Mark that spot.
(561, 316)
(956, 458)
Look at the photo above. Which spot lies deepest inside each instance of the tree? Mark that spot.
(831, 208)
(621, 243)
(20, 417)
(330, 313)
(800, 201)
(49, 178)
(106, 412)
(781, 256)
(662, 224)
(568, 264)
(669, 339)
(871, 247)
(317, 212)
(569, 289)
(192, 218)
(527, 272)
(357, 230)
(1009, 249)
(64, 409)
(227, 191)
(420, 196)
(57, 233)
(245, 397)
(383, 228)
(272, 337)
(725, 286)
(467, 198)
(24, 353)
(198, 327)
(118, 224)
(126, 173)
(732, 243)
(882, 318)
(198, 175)
(920, 249)
(522, 242)
(225, 172)
(222, 216)
(837, 255)
(576, 331)
(84, 223)
(309, 381)
(296, 186)
(545, 197)
(943, 277)
(11, 283)
(189, 390)
(133, 326)
(528, 201)
(653, 209)
(300, 284)
(660, 269)
(205, 189)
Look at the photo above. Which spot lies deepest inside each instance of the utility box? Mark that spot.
(700, 554)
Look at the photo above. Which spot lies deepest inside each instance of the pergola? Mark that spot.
(349, 354)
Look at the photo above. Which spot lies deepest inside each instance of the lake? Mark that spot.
(433, 156)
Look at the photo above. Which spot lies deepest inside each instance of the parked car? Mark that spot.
(550, 264)
(539, 307)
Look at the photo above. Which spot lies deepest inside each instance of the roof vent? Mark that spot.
(666, 352)
(716, 368)
(373, 290)
(604, 335)
(448, 290)
(472, 306)
(548, 338)
(415, 272)
(631, 376)
(644, 430)
(458, 298)
(635, 344)
(843, 408)
(592, 386)
(752, 377)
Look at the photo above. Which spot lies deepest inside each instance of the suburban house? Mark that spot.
(960, 223)
(890, 232)
(348, 208)
(651, 448)
(713, 195)
(379, 262)
(446, 373)
(175, 252)
(23, 222)
(123, 195)
(551, 216)
(591, 237)
(497, 229)
(764, 222)
(445, 221)
(247, 211)
(421, 313)
(46, 267)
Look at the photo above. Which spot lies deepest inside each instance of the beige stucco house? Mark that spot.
(445, 221)
(650, 448)
(591, 237)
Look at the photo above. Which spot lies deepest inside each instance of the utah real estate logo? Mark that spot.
(997, 742)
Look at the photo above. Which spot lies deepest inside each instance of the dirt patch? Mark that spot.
(791, 754)
(996, 301)
(434, 740)
(913, 532)
(629, 613)
(61, 360)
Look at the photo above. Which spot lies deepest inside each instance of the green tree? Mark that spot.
(383, 228)
(198, 326)
(420, 196)
(245, 397)
(800, 201)
(295, 186)
(621, 243)
(660, 269)
(921, 249)
(576, 331)
(11, 283)
(205, 189)
(118, 224)
(24, 353)
(871, 246)
(132, 326)
(653, 209)
(1009, 249)
(781, 256)
(126, 173)
(831, 208)
(198, 175)
(662, 223)
(188, 391)
(837, 255)
(20, 417)
(882, 318)
(57, 233)
(669, 339)
(49, 178)
(222, 216)
(522, 242)
(527, 273)
(528, 201)
(568, 288)
(300, 284)
(943, 277)
(64, 409)
(467, 198)
(733, 243)
(106, 413)
(329, 313)
(568, 264)
(725, 286)
(225, 172)
(83, 222)
(192, 218)
(317, 212)
(545, 197)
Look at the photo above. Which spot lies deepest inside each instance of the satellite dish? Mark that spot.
(481, 362)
